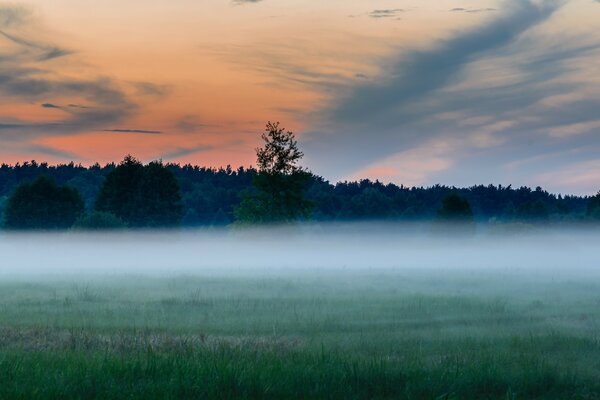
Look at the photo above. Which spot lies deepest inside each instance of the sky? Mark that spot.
(419, 92)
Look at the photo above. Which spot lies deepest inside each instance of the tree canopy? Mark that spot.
(593, 207)
(211, 196)
(141, 196)
(42, 204)
(455, 209)
(279, 184)
(279, 154)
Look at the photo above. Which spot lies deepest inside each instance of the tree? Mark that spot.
(280, 153)
(42, 204)
(159, 198)
(593, 207)
(141, 196)
(533, 211)
(279, 184)
(455, 209)
(120, 191)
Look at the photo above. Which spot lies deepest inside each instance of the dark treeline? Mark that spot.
(210, 196)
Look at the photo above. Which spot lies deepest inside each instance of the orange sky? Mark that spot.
(195, 81)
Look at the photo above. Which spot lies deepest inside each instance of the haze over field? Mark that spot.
(446, 91)
(304, 250)
(337, 311)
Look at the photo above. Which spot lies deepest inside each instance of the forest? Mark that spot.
(209, 196)
(278, 190)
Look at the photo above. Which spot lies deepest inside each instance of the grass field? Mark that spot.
(312, 334)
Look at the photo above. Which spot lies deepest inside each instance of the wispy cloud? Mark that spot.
(472, 10)
(151, 89)
(49, 151)
(188, 124)
(424, 71)
(149, 132)
(497, 75)
(50, 105)
(45, 51)
(184, 151)
(385, 13)
(31, 72)
(240, 2)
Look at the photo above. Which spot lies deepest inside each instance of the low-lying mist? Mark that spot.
(551, 253)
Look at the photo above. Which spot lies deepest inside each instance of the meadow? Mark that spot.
(349, 333)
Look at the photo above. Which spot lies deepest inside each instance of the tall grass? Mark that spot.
(360, 335)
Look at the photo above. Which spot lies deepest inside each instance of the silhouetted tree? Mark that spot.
(280, 153)
(210, 195)
(42, 204)
(593, 207)
(455, 209)
(141, 196)
(279, 183)
(159, 201)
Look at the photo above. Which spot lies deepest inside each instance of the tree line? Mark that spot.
(157, 195)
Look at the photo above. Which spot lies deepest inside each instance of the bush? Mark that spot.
(99, 220)
(42, 204)
(455, 209)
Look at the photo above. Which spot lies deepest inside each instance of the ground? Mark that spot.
(331, 334)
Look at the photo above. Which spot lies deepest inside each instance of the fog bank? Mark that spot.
(330, 247)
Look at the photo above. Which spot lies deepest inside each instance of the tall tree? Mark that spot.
(279, 183)
(42, 204)
(119, 194)
(141, 196)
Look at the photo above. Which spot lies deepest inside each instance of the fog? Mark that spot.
(550, 253)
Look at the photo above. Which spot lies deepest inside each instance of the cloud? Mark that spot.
(584, 174)
(424, 71)
(472, 10)
(54, 53)
(189, 124)
(28, 149)
(56, 106)
(240, 2)
(149, 132)
(49, 151)
(33, 71)
(111, 105)
(13, 15)
(50, 105)
(412, 166)
(385, 13)
(374, 119)
(151, 89)
(300, 65)
(10, 126)
(184, 151)
(45, 51)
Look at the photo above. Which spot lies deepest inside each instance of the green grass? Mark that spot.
(344, 334)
